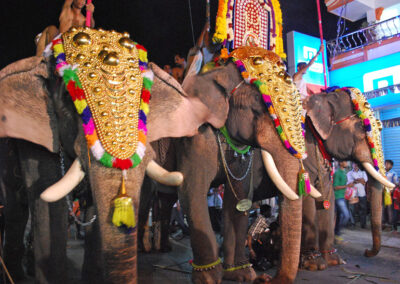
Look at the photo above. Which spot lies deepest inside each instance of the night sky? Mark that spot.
(162, 26)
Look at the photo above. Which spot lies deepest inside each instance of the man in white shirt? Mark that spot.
(214, 201)
(359, 178)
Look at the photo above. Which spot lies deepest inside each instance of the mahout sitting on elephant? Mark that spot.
(35, 106)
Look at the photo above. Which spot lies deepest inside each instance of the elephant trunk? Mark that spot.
(117, 249)
(290, 221)
(375, 190)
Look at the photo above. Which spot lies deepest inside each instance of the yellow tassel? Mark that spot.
(124, 214)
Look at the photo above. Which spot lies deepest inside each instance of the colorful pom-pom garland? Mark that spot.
(268, 102)
(367, 125)
(74, 87)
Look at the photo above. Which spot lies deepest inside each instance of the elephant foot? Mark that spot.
(263, 278)
(312, 260)
(244, 273)
(371, 252)
(332, 257)
(207, 276)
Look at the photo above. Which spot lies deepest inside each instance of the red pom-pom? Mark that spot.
(71, 90)
(277, 123)
(122, 164)
(139, 46)
(146, 96)
(79, 94)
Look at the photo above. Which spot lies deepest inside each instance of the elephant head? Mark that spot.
(36, 107)
(346, 136)
(252, 120)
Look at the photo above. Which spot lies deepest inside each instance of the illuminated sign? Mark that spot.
(302, 48)
(369, 75)
(381, 78)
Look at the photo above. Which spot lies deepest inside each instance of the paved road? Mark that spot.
(384, 268)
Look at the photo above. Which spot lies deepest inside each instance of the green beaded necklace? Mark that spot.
(234, 145)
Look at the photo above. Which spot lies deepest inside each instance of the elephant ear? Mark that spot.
(320, 111)
(23, 102)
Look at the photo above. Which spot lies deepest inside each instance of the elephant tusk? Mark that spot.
(276, 176)
(65, 185)
(314, 192)
(161, 175)
(377, 176)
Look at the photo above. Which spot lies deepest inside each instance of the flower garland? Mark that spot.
(267, 100)
(221, 25)
(229, 20)
(74, 87)
(278, 28)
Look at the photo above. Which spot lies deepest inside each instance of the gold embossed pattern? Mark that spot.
(268, 67)
(108, 68)
(376, 127)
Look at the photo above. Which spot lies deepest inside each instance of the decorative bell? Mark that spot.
(243, 158)
(235, 154)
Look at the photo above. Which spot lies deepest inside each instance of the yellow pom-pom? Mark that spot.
(124, 214)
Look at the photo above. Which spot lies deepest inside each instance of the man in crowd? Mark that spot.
(359, 178)
(71, 16)
(340, 185)
(390, 214)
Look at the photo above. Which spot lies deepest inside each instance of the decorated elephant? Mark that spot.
(110, 73)
(261, 114)
(341, 125)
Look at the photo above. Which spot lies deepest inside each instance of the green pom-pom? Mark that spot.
(147, 83)
(106, 160)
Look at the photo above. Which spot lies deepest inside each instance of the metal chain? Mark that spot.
(69, 203)
(229, 170)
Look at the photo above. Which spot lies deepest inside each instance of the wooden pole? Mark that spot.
(208, 14)
(321, 34)
(88, 14)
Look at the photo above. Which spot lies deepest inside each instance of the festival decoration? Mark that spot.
(108, 80)
(372, 127)
(220, 25)
(250, 23)
(264, 69)
(108, 102)
(123, 216)
(233, 144)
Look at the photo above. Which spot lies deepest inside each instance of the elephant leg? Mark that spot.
(326, 224)
(147, 195)
(16, 212)
(41, 169)
(92, 262)
(310, 258)
(166, 202)
(236, 263)
(375, 190)
(16, 216)
(199, 163)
